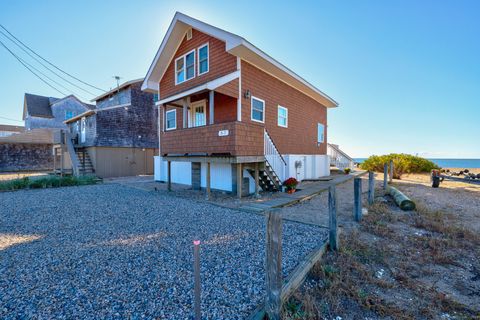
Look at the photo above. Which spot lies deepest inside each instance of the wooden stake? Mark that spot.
(273, 265)
(371, 187)
(332, 218)
(391, 170)
(197, 285)
(385, 174)
(357, 201)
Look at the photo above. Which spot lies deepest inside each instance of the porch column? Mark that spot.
(185, 113)
(256, 179)
(211, 96)
(169, 175)
(208, 181)
(239, 180)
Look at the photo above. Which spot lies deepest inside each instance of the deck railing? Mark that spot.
(273, 157)
(338, 158)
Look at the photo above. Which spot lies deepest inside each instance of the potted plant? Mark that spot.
(291, 185)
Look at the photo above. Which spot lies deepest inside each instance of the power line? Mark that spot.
(68, 74)
(46, 67)
(10, 119)
(20, 60)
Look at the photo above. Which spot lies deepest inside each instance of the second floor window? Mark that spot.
(203, 59)
(171, 120)
(185, 67)
(320, 133)
(258, 107)
(282, 117)
(69, 114)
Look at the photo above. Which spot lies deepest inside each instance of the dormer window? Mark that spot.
(185, 67)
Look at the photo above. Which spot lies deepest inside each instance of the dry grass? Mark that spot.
(408, 248)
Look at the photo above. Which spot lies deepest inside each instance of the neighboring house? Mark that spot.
(7, 130)
(46, 112)
(338, 158)
(119, 136)
(228, 112)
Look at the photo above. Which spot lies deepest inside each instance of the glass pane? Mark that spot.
(203, 53)
(190, 59)
(282, 121)
(180, 76)
(179, 64)
(320, 132)
(257, 115)
(282, 112)
(190, 72)
(258, 105)
(203, 66)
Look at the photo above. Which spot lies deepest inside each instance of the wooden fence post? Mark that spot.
(357, 201)
(391, 171)
(169, 177)
(332, 218)
(273, 265)
(371, 187)
(385, 174)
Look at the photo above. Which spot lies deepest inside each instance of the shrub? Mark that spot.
(402, 163)
(46, 182)
(290, 183)
(347, 170)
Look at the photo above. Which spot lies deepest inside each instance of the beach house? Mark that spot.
(230, 116)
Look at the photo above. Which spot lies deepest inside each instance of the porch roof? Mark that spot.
(211, 85)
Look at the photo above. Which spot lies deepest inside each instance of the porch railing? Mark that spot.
(338, 158)
(273, 157)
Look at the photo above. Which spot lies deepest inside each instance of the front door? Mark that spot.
(83, 130)
(198, 115)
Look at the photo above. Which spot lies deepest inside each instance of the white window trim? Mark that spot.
(184, 57)
(323, 135)
(286, 117)
(208, 58)
(251, 109)
(166, 120)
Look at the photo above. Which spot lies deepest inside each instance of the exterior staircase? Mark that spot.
(85, 163)
(272, 174)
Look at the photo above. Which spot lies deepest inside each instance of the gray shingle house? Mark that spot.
(47, 112)
(119, 136)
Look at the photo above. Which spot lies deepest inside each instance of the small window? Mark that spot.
(320, 133)
(203, 59)
(155, 97)
(282, 116)
(171, 120)
(69, 114)
(258, 108)
(185, 67)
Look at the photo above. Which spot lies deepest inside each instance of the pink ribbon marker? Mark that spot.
(196, 242)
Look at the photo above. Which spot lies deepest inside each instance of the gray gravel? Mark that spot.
(115, 252)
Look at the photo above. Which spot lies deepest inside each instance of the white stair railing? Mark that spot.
(338, 158)
(273, 157)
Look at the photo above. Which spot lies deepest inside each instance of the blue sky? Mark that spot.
(406, 73)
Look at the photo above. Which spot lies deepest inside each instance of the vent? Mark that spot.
(189, 34)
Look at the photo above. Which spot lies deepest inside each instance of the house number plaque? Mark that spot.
(223, 133)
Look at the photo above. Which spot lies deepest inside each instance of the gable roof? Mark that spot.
(114, 90)
(41, 106)
(37, 106)
(235, 45)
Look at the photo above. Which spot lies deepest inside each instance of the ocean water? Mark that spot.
(446, 163)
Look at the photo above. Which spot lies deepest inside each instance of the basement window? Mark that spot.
(185, 67)
(171, 120)
(258, 108)
(203, 59)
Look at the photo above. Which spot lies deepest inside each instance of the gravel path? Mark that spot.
(112, 252)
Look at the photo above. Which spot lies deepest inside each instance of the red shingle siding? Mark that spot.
(230, 89)
(243, 140)
(303, 112)
(225, 108)
(220, 63)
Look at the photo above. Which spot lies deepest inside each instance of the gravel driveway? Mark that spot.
(115, 252)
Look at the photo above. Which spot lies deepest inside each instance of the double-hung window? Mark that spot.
(320, 133)
(282, 117)
(171, 119)
(203, 59)
(258, 110)
(69, 114)
(185, 67)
